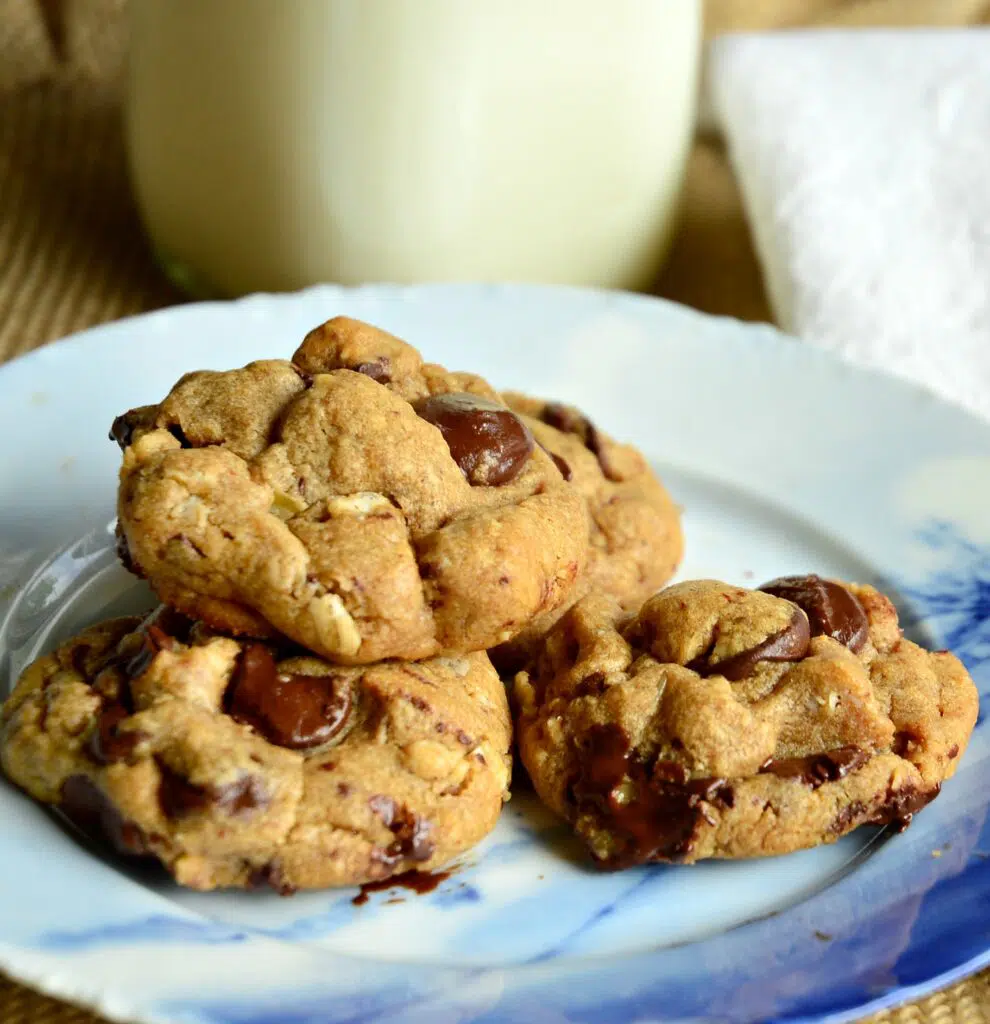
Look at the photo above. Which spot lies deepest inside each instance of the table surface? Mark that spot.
(72, 253)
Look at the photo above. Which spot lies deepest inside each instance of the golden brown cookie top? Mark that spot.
(658, 734)
(362, 502)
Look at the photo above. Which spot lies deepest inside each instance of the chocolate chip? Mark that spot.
(153, 640)
(90, 810)
(843, 821)
(306, 378)
(593, 685)
(789, 644)
(817, 769)
(412, 833)
(570, 421)
(489, 443)
(383, 806)
(904, 741)
(831, 609)
(270, 875)
(561, 464)
(380, 370)
(294, 711)
(124, 426)
(106, 743)
(900, 808)
(171, 626)
(179, 797)
(653, 813)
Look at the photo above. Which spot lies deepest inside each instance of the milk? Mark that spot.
(277, 143)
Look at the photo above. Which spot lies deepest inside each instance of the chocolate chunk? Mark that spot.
(379, 370)
(180, 797)
(270, 875)
(170, 626)
(900, 808)
(240, 797)
(489, 443)
(153, 640)
(124, 426)
(593, 685)
(294, 711)
(412, 833)
(106, 743)
(817, 769)
(653, 814)
(904, 741)
(570, 421)
(831, 609)
(561, 464)
(90, 810)
(790, 644)
(843, 821)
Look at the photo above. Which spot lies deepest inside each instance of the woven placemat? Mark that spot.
(72, 253)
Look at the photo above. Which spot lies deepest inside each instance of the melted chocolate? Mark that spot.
(90, 810)
(271, 876)
(153, 640)
(125, 425)
(901, 807)
(294, 711)
(106, 743)
(817, 769)
(561, 463)
(489, 443)
(420, 882)
(654, 813)
(790, 644)
(412, 834)
(179, 797)
(831, 609)
(380, 370)
(570, 421)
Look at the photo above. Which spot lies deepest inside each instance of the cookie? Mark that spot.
(723, 722)
(359, 501)
(235, 763)
(636, 538)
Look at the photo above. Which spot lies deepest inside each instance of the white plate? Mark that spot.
(785, 460)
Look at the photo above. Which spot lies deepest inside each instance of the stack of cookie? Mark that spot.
(345, 542)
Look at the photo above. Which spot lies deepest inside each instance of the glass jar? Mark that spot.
(279, 143)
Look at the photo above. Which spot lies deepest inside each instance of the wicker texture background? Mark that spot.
(72, 253)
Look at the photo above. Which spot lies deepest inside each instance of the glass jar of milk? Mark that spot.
(278, 143)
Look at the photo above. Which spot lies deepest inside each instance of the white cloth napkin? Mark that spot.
(864, 162)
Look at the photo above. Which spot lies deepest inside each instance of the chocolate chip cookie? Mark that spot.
(236, 763)
(359, 501)
(636, 537)
(723, 722)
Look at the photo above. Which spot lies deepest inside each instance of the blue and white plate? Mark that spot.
(784, 459)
